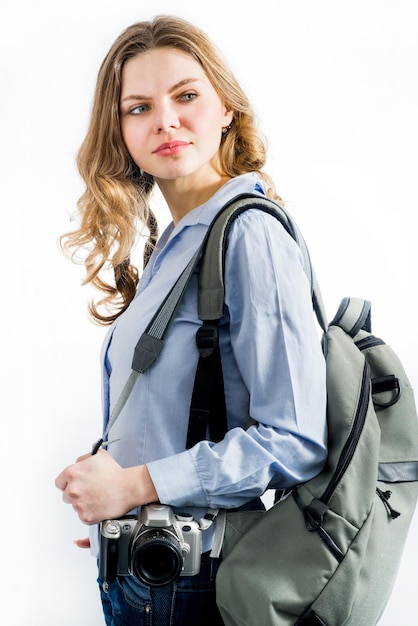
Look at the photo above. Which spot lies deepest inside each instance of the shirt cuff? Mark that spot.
(172, 476)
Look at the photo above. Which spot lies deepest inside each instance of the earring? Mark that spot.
(226, 128)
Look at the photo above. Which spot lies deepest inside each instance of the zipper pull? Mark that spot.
(314, 514)
(384, 496)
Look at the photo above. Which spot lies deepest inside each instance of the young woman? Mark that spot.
(168, 112)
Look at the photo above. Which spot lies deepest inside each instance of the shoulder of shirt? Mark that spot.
(258, 227)
(254, 223)
(246, 183)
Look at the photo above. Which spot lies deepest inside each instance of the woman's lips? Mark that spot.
(171, 148)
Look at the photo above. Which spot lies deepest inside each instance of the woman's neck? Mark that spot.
(182, 197)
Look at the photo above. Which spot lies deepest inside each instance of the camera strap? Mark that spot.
(150, 344)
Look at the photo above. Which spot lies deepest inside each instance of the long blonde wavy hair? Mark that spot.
(115, 204)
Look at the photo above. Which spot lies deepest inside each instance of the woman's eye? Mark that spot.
(188, 97)
(140, 108)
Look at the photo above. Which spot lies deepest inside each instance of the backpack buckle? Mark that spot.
(207, 339)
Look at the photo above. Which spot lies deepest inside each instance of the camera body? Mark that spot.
(157, 547)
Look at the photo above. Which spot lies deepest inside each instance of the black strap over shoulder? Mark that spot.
(207, 409)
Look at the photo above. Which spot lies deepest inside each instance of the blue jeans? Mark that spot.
(187, 602)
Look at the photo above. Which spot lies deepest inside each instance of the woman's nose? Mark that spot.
(165, 118)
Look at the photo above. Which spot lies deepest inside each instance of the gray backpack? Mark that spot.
(326, 553)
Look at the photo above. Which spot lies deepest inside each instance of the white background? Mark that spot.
(334, 85)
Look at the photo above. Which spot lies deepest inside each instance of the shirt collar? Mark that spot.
(204, 214)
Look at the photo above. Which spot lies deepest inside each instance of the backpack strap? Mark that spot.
(207, 408)
(211, 276)
(353, 315)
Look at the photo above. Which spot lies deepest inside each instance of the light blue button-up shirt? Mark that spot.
(273, 367)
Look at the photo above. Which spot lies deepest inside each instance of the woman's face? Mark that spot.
(171, 116)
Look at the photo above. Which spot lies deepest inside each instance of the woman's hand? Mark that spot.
(82, 543)
(98, 488)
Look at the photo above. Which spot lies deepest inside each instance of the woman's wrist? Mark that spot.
(141, 489)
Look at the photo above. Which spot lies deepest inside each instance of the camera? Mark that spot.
(157, 547)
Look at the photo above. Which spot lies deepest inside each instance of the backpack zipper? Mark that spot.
(315, 512)
(352, 441)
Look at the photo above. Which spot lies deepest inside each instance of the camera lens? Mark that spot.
(156, 558)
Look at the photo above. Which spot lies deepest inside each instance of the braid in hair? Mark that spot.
(152, 238)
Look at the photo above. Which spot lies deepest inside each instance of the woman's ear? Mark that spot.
(229, 116)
